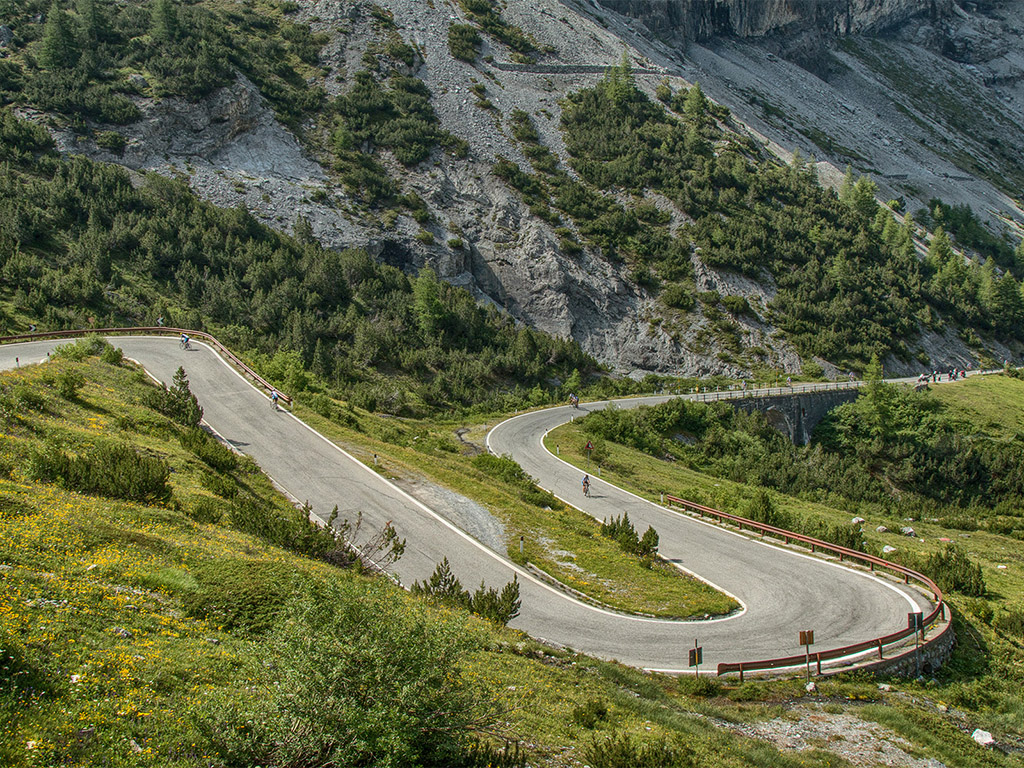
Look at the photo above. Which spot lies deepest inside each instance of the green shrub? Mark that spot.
(704, 686)
(736, 305)
(117, 471)
(623, 751)
(241, 595)
(1011, 621)
(290, 528)
(80, 349)
(358, 677)
(112, 355)
(111, 140)
(68, 382)
(953, 570)
(500, 606)
(178, 402)
(222, 485)
(590, 713)
(205, 510)
(678, 296)
(209, 450)
(464, 42)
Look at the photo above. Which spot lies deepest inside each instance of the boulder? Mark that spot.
(858, 521)
(907, 531)
(6, 36)
(882, 529)
(983, 737)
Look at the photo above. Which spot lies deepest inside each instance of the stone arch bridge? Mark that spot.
(796, 413)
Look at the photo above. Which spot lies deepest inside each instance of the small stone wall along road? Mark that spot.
(782, 591)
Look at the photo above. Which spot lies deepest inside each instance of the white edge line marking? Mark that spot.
(526, 575)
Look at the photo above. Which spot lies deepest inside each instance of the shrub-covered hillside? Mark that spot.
(81, 243)
(849, 281)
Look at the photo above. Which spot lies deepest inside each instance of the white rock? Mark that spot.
(811, 687)
(887, 549)
(884, 687)
(983, 737)
(882, 529)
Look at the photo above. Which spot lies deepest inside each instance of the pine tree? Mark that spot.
(58, 49)
(185, 408)
(164, 22)
(939, 250)
(427, 304)
(91, 22)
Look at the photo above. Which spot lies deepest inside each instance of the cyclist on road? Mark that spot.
(274, 398)
(184, 342)
(586, 485)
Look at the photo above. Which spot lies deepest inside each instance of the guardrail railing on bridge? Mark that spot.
(844, 553)
(152, 331)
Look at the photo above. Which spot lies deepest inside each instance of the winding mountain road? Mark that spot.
(781, 591)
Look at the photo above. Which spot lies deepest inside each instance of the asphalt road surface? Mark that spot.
(781, 591)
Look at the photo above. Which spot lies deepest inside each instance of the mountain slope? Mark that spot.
(363, 183)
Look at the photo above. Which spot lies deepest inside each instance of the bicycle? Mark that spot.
(586, 490)
(185, 344)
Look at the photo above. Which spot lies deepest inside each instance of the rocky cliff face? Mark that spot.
(701, 20)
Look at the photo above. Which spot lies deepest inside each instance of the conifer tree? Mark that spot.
(58, 49)
(91, 22)
(164, 21)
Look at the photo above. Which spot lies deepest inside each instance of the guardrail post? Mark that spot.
(818, 659)
(880, 650)
(741, 672)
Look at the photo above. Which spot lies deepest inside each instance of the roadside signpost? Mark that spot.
(696, 656)
(915, 621)
(807, 640)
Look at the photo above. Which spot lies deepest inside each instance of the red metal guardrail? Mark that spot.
(844, 553)
(151, 331)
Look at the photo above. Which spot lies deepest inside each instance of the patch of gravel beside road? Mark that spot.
(861, 743)
(463, 512)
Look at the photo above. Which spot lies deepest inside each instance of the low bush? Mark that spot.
(507, 469)
(209, 450)
(621, 529)
(241, 595)
(1011, 621)
(205, 510)
(464, 42)
(590, 713)
(68, 382)
(178, 402)
(623, 751)
(500, 606)
(953, 570)
(291, 528)
(117, 471)
(357, 676)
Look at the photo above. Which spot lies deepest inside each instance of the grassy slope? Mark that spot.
(987, 669)
(123, 672)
